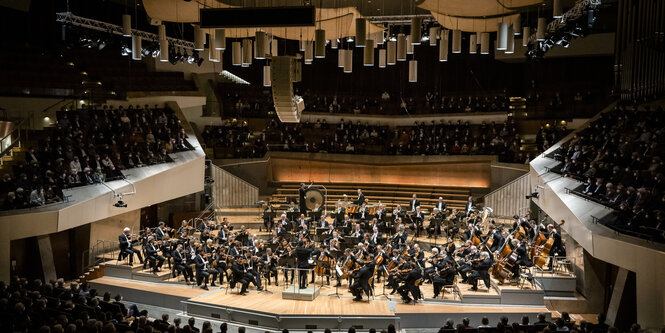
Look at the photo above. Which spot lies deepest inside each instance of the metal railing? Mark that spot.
(555, 265)
(95, 254)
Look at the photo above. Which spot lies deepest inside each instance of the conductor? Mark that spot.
(303, 253)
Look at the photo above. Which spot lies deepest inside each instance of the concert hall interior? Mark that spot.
(252, 166)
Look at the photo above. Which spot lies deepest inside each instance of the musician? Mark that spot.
(180, 265)
(234, 251)
(435, 260)
(335, 241)
(557, 249)
(464, 265)
(375, 237)
(126, 247)
(302, 220)
(339, 213)
(445, 277)
(239, 276)
(302, 194)
(220, 259)
(304, 231)
(361, 280)
(281, 231)
(205, 235)
(166, 247)
(464, 249)
(468, 208)
(346, 225)
(293, 208)
(361, 198)
(303, 253)
(285, 251)
(480, 271)
(470, 231)
(203, 272)
(498, 241)
(409, 285)
(413, 203)
(316, 212)
(434, 227)
(380, 213)
(283, 222)
(399, 239)
(269, 261)
(441, 205)
(357, 231)
(324, 258)
(417, 218)
(268, 216)
(251, 272)
(184, 227)
(347, 259)
(159, 231)
(417, 254)
(523, 260)
(203, 226)
(322, 223)
(363, 213)
(152, 256)
(223, 236)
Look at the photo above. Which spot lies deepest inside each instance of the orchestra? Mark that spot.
(363, 245)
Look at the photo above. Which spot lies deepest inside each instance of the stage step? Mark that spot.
(147, 275)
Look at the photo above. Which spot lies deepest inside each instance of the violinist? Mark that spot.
(334, 241)
(184, 227)
(239, 276)
(304, 231)
(152, 256)
(205, 235)
(179, 264)
(159, 231)
(274, 239)
(444, 276)
(127, 248)
(251, 271)
(361, 280)
(346, 225)
(269, 261)
(479, 271)
(203, 271)
(166, 246)
(409, 286)
(285, 250)
(464, 265)
(322, 223)
(223, 236)
(220, 260)
(435, 260)
(235, 250)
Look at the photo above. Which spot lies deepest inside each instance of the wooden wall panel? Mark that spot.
(509, 199)
(474, 174)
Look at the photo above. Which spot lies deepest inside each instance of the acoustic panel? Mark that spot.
(297, 16)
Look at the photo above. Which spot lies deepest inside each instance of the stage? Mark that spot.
(269, 310)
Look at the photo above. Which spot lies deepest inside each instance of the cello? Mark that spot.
(541, 253)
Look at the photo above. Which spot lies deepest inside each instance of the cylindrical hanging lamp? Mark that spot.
(320, 43)
(199, 38)
(526, 34)
(484, 43)
(443, 45)
(163, 51)
(382, 58)
(368, 58)
(301, 45)
(502, 36)
(220, 39)
(341, 56)
(542, 27)
(434, 35)
(136, 47)
(409, 46)
(391, 52)
(416, 30)
(266, 76)
(510, 49)
(214, 55)
(309, 52)
(361, 32)
(246, 52)
(334, 43)
(162, 32)
(260, 45)
(557, 11)
(517, 25)
(473, 45)
(126, 25)
(413, 71)
(401, 47)
(236, 54)
(273, 46)
(457, 41)
(348, 61)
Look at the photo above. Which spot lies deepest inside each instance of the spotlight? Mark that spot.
(101, 45)
(209, 180)
(125, 50)
(199, 62)
(145, 52)
(349, 39)
(425, 38)
(120, 203)
(155, 53)
(532, 195)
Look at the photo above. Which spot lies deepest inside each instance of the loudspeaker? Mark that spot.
(284, 70)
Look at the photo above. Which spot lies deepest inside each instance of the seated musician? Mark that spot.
(334, 241)
(380, 213)
(452, 227)
(434, 227)
(205, 236)
(322, 223)
(267, 216)
(339, 214)
(523, 259)
(346, 225)
(323, 261)
(284, 251)
(479, 271)
(166, 247)
(152, 256)
(409, 285)
(302, 219)
(184, 227)
(373, 223)
(417, 217)
(347, 259)
(445, 276)
(357, 231)
(441, 205)
(203, 271)
(470, 231)
(375, 237)
(417, 254)
(399, 239)
(317, 208)
(234, 251)
(283, 222)
(361, 280)
(435, 260)
(464, 264)
(223, 235)
(274, 238)
(293, 208)
(381, 253)
(398, 211)
(126, 247)
(226, 223)
(304, 230)
(269, 261)
(159, 231)
(220, 258)
(363, 213)
(251, 269)
(329, 232)
(203, 225)
(498, 239)
(180, 265)
(239, 275)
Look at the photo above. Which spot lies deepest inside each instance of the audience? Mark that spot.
(619, 157)
(89, 146)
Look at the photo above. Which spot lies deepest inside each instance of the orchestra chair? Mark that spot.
(560, 264)
(525, 275)
(452, 287)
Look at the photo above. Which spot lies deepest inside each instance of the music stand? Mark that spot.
(383, 284)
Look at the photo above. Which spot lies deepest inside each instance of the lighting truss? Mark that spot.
(78, 21)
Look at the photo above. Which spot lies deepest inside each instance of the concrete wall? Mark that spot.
(109, 228)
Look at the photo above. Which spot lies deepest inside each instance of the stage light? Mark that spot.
(526, 34)
(413, 71)
(391, 55)
(484, 43)
(361, 32)
(334, 43)
(348, 61)
(260, 45)
(199, 38)
(220, 39)
(457, 41)
(341, 56)
(473, 45)
(416, 31)
(443, 45)
(368, 59)
(542, 26)
(136, 47)
(401, 47)
(434, 35)
(502, 36)
(126, 25)
(236, 53)
(320, 43)
(125, 50)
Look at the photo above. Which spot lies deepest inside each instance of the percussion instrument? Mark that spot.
(314, 196)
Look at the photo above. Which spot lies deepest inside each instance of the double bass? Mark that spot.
(541, 254)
